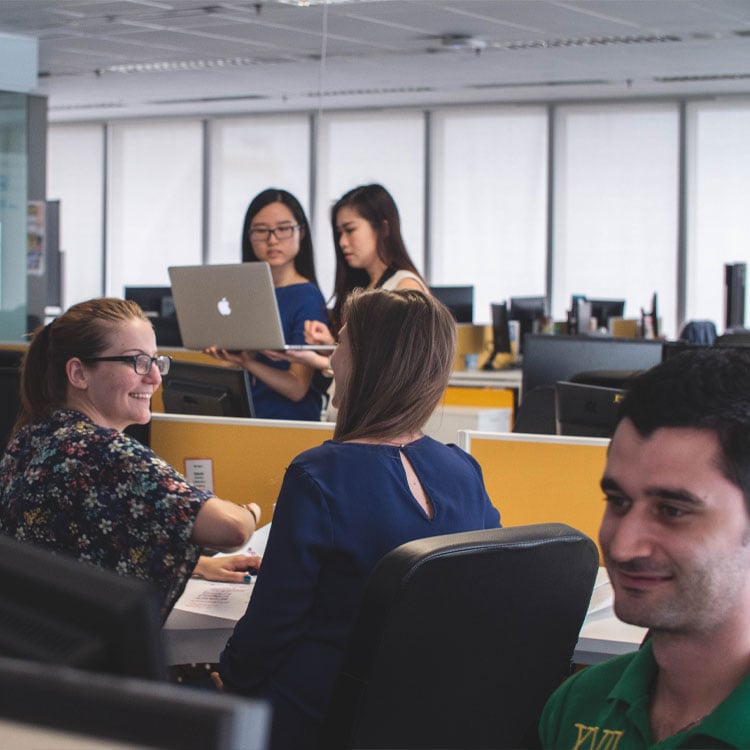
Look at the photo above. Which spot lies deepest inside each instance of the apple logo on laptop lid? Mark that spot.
(224, 307)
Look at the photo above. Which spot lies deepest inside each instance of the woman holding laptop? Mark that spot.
(276, 231)
(343, 505)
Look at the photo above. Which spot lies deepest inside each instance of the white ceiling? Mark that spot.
(274, 55)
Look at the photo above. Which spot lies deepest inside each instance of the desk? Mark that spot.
(194, 638)
(487, 379)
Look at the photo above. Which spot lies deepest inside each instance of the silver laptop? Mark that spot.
(229, 306)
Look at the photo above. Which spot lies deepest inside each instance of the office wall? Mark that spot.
(488, 196)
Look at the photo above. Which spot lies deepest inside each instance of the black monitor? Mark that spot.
(500, 332)
(46, 707)
(458, 299)
(158, 304)
(548, 359)
(57, 610)
(529, 312)
(155, 301)
(586, 410)
(210, 390)
(604, 309)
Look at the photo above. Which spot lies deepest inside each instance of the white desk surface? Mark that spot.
(486, 379)
(194, 637)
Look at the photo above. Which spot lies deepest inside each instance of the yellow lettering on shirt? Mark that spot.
(589, 739)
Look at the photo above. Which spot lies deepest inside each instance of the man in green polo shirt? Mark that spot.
(675, 538)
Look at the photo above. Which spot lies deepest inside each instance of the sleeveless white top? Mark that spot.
(399, 276)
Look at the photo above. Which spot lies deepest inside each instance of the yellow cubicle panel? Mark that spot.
(494, 398)
(541, 479)
(248, 456)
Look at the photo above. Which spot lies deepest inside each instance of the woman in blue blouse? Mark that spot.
(379, 483)
(276, 231)
(72, 481)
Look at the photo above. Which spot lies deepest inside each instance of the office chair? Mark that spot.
(10, 402)
(461, 638)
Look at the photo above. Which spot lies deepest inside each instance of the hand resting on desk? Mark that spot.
(227, 568)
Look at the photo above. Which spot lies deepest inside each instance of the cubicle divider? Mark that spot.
(542, 478)
(244, 459)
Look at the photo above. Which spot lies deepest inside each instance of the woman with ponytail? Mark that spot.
(72, 481)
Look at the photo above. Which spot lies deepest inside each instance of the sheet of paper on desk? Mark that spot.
(256, 545)
(602, 596)
(225, 600)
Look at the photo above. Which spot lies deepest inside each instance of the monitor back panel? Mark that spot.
(547, 359)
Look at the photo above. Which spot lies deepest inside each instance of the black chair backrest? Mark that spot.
(536, 412)
(460, 640)
(10, 402)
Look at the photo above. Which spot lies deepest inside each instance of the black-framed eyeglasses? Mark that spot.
(141, 363)
(280, 233)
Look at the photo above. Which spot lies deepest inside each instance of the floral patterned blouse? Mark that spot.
(99, 495)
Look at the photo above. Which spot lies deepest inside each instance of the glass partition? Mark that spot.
(14, 245)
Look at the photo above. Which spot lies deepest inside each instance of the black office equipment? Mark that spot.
(458, 299)
(500, 333)
(548, 359)
(586, 410)
(734, 295)
(604, 309)
(57, 610)
(10, 397)
(529, 312)
(155, 301)
(61, 707)
(491, 595)
(211, 390)
(158, 304)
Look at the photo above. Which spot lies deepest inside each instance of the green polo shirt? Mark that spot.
(606, 707)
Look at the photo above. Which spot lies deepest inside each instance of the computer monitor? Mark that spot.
(529, 312)
(586, 410)
(500, 332)
(548, 359)
(61, 708)
(158, 304)
(155, 301)
(210, 390)
(458, 299)
(57, 610)
(604, 309)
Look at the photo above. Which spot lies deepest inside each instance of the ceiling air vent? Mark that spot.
(692, 79)
(539, 84)
(210, 99)
(369, 92)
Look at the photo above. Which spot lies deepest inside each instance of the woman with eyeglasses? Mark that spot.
(276, 231)
(72, 481)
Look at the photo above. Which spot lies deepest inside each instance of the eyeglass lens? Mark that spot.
(280, 233)
(143, 364)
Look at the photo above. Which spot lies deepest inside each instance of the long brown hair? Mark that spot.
(402, 345)
(82, 331)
